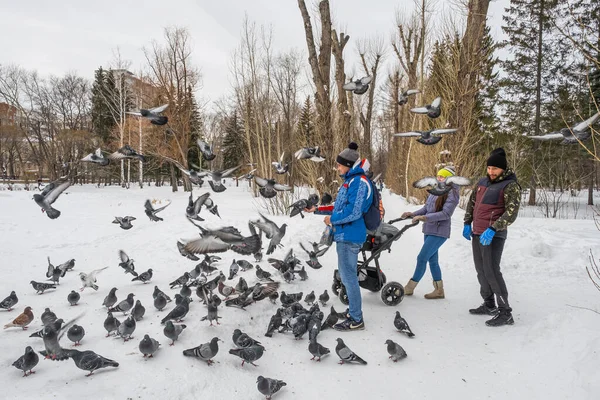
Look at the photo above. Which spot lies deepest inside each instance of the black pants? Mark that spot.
(487, 264)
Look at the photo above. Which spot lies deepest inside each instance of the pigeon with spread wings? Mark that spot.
(310, 153)
(49, 195)
(429, 137)
(269, 188)
(359, 86)
(126, 153)
(217, 177)
(575, 134)
(206, 150)
(432, 110)
(96, 157)
(151, 211)
(152, 114)
(280, 167)
(438, 188)
(403, 97)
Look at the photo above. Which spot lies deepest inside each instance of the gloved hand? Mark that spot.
(467, 232)
(486, 237)
(419, 218)
(406, 215)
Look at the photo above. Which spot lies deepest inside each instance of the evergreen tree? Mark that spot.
(102, 95)
(195, 129)
(306, 126)
(233, 143)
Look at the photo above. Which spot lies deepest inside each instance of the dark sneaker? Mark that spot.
(350, 325)
(502, 318)
(484, 310)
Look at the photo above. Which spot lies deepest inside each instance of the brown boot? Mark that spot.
(410, 288)
(438, 291)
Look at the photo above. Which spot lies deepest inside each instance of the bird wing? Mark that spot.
(377, 177)
(158, 109)
(443, 131)
(163, 207)
(550, 136)
(587, 123)
(408, 134)
(229, 171)
(260, 181)
(419, 110)
(54, 193)
(428, 181)
(50, 269)
(436, 102)
(322, 251)
(366, 80)
(148, 205)
(92, 275)
(275, 164)
(206, 244)
(458, 180)
(280, 187)
(412, 91)
(317, 159)
(304, 248)
(134, 113)
(200, 202)
(349, 86)
(281, 158)
(123, 256)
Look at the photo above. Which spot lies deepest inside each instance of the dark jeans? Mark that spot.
(487, 264)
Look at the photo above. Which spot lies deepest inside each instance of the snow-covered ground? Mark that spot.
(550, 353)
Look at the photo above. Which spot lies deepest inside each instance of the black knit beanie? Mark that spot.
(348, 156)
(497, 159)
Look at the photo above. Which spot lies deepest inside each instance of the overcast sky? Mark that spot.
(54, 37)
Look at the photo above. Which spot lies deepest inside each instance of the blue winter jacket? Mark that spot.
(438, 222)
(353, 199)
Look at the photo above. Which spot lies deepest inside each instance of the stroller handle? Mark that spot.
(393, 221)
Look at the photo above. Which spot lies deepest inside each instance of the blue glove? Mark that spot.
(486, 237)
(467, 232)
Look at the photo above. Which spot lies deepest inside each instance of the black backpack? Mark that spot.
(373, 215)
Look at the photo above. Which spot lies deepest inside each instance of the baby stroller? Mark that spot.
(371, 277)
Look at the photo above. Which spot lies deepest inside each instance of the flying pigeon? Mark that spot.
(299, 206)
(221, 240)
(272, 231)
(127, 263)
(359, 86)
(73, 298)
(90, 361)
(96, 157)
(49, 195)
(173, 331)
(67, 265)
(280, 167)
(438, 188)
(41, 287)
(429, 137)
(217, 178)
(27, 361)
(89, 280)
(124, 222)
(575, 134)
(54, 273)
(22, 320)
(310, 153)
(144, 277)
(395, 351)
(268, 386)
(51, 334)
(9, 302)
(194, 176)
(152, 114)
(148, 346)
(206, 150)
(432, 110)
(346, 355)
(126, 153)
(401, 324)
(317, 251)
(75, 334)
(403, 97)
(269, 188)
(151, 211)
(205, 351)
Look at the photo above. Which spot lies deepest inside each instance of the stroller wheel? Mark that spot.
(392, 294)
(343, 296)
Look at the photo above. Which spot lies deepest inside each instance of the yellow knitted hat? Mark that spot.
(446, 172)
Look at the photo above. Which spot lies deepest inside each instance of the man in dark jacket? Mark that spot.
(492, 207)
(349, 230)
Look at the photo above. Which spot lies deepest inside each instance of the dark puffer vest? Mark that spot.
(489, 203)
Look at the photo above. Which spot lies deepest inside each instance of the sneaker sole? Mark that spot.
(362, 328)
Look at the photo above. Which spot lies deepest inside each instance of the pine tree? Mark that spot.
(233, 143)
(195, 126)
(306, 125)
(102, 121)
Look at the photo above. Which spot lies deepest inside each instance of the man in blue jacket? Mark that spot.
(349, 231)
